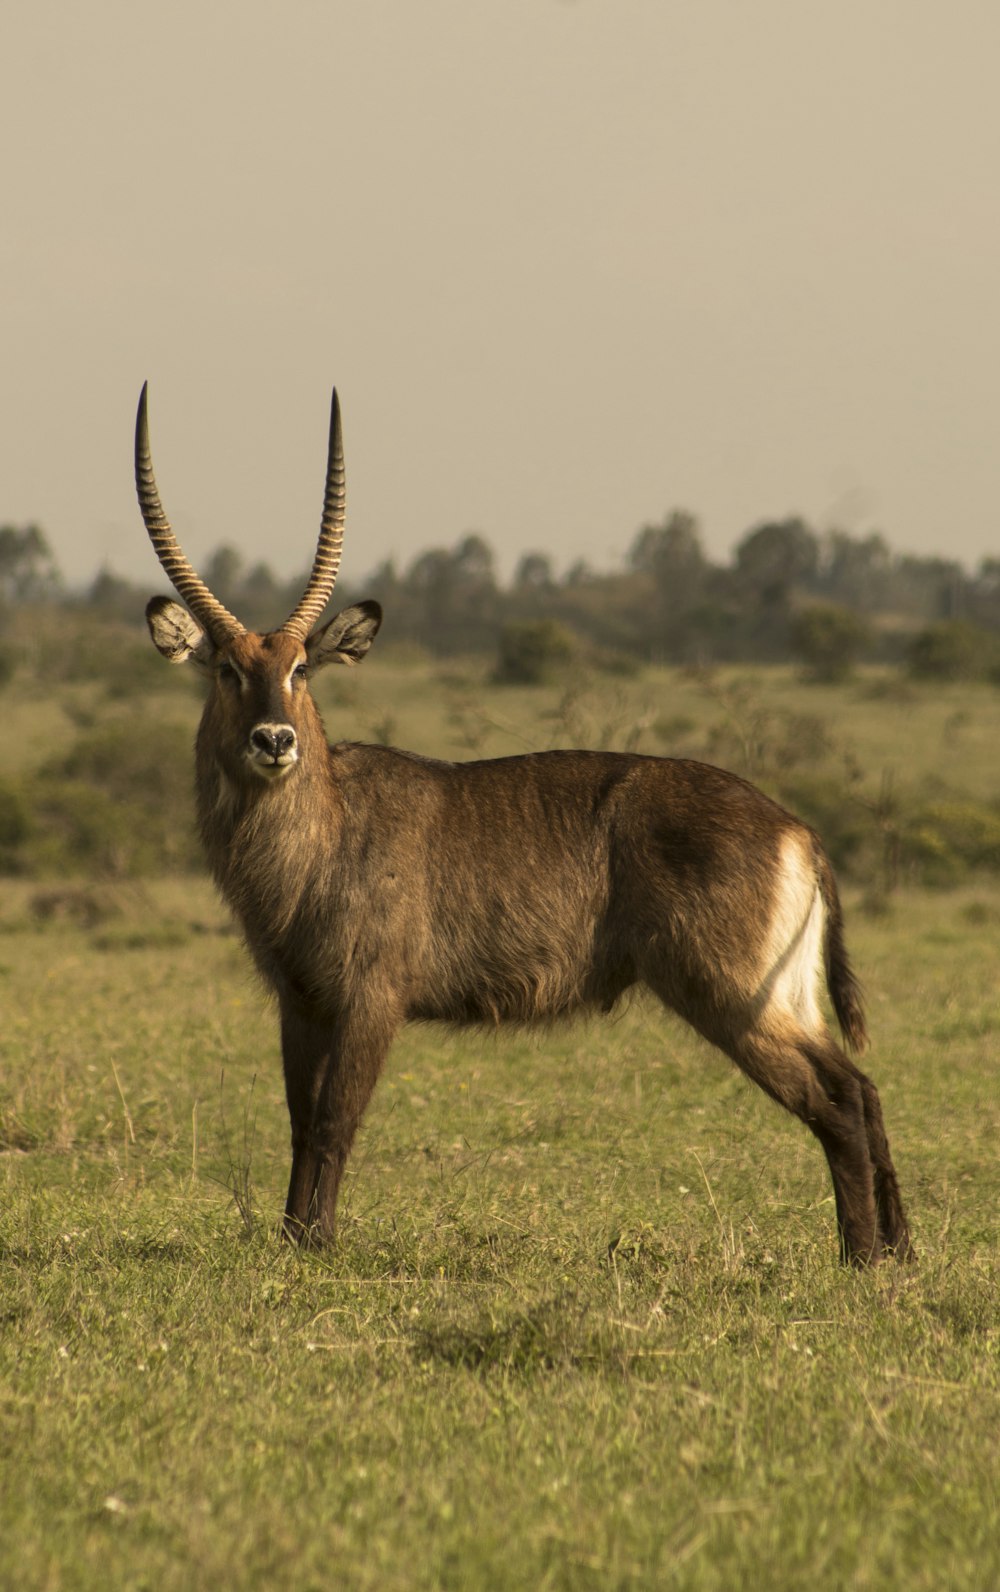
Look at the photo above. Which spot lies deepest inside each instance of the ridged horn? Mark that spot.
(208, 610)
(331, 537)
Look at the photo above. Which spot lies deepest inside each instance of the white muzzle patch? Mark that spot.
(273, 749)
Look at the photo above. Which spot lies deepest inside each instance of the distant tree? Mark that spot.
(28, 571)
(829, 640)
(773, 561)
(384, 579)
(451, 597)
(775, 557)
(473, 562)
(933, 588)
(671, 557)
(431, 572)
(258, 598)
(855, 571)
(983, 595)
(671, 551)
(260, 582)
(988, 575)
(224, 573)
(113, 597)
(534, 574)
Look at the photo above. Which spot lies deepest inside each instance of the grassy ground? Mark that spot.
(584, 1328)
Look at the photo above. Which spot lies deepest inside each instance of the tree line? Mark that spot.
(826, 599)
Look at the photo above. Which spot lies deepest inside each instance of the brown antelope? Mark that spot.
(374, 886)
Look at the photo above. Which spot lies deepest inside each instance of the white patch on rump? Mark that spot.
(792, 969)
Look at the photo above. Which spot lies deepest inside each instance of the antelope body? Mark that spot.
(376, 887)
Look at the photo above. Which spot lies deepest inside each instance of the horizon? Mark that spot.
(503, 577)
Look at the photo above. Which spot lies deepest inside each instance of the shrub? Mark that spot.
(829, 640)
(532, 651)
(942, 842)
(15, 828)
(117, 804)
(954, 650)
(138, 760)
(77, 828)
(843, 825)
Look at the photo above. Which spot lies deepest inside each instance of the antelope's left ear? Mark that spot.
(346, 638)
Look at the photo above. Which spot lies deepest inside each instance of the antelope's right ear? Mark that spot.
(176, 634)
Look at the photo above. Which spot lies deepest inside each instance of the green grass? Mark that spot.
(584, 1326)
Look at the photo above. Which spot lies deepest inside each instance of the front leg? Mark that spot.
(331, 1067)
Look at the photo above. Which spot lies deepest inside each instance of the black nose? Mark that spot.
(273, 739)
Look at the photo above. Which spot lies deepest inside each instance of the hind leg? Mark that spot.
(893, 1228)
(811, 1077)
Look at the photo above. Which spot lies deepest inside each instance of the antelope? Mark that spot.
(376, 887)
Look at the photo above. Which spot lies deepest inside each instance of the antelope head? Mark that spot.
(260, 715)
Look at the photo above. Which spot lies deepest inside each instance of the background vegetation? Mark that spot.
(826, 600)
(895, 766)
(584, 1327)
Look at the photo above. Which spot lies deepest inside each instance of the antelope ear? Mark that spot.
(346, 638)
(176, 634)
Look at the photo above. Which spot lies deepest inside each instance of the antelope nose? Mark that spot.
(274, 740)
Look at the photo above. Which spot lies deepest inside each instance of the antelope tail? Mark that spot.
(841, 980)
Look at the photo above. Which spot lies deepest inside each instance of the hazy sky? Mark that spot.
(571, 263)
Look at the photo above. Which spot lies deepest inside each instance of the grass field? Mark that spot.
(584, 1327)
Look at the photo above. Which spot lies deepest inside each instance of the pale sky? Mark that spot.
(571, 263)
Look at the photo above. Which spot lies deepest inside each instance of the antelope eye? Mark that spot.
(227, 672)
(301, 673)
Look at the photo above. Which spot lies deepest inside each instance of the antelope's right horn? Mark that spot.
(326, 563)
(217, 620)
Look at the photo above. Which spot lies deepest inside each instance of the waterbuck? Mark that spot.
(374, 887)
